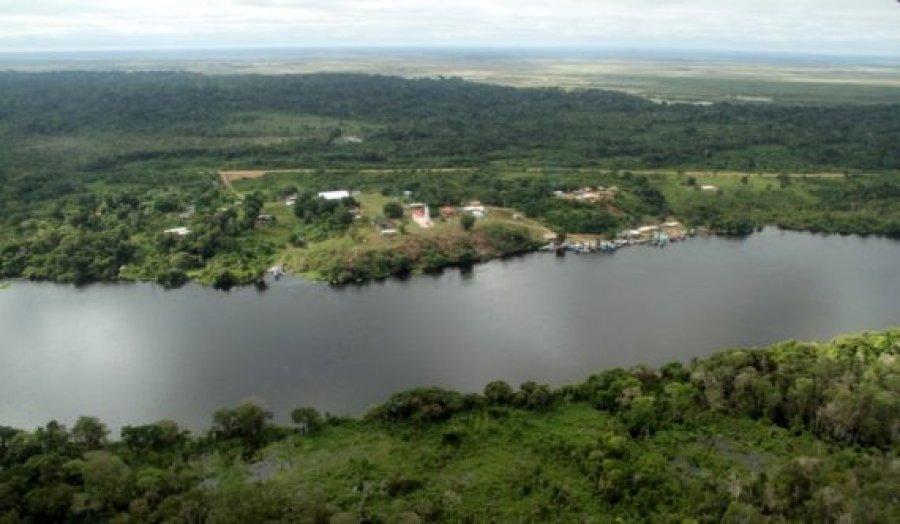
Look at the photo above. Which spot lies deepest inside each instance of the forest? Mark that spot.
(438, 120)
(95, 167)
(797, 432)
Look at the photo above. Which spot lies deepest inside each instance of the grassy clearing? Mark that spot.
(282, 125)
(363, 253)
(261, 180)
(363, 248)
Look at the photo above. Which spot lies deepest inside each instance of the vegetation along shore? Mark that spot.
(793, 432)
(131, 176)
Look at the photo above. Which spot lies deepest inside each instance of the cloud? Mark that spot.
(862, 26)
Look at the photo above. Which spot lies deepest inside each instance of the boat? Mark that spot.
(277, 272)
(660, 239)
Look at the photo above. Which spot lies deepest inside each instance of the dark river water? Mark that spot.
(136, 353)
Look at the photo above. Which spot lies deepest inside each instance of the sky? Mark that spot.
(863, 27)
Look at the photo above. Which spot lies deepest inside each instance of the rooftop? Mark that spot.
(335, 195)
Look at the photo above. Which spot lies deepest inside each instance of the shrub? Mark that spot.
(393, 210)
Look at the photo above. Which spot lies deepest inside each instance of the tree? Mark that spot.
(467, 221)
(539, 398)
(52, 437)
(533, 396)
(172, 278)
(309, 419)
(754, 395)
(802, 402)
(161, 436)
(297, 239)
(641, 416)
(679, 403)
(107, 481)
(6, 435)
(225, 280)
(498, 393)
(89, 433)
(246, 422)
(393, 210)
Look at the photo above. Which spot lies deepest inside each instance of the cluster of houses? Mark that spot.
(418, 212)
(659, 235)
(188, 212)
(421, 215)
(589, 194)
(672, 228)
(474, 208)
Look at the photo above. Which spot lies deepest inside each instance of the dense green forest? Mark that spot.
(94, 167)
(798, 432)
(444, 120)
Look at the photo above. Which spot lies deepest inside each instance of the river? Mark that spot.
(136, 353)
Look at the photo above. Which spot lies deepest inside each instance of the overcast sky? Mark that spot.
(820, 26)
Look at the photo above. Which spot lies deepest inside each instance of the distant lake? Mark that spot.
(136, 353)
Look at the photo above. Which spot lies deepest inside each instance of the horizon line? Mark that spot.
(451, 48)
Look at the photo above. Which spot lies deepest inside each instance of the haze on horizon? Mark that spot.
(839, 27)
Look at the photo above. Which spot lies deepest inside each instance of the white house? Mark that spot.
(180, 231)
(421, 215)
(334, 195)
(475, 209)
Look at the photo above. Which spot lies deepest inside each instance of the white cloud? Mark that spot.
(861, 26)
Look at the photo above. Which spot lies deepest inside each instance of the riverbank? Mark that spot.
(369, 245)
(227, 235)
(344, 261)
(347, 260)
(786, 432)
